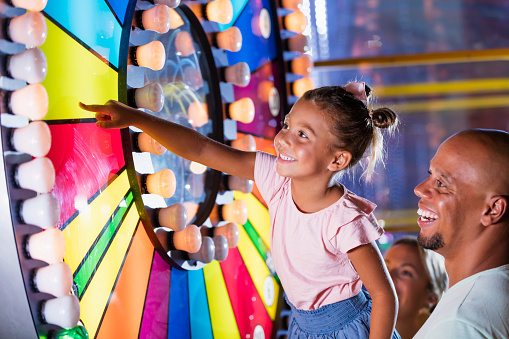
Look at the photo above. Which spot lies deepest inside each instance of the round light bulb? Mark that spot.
(37, 175)
(245, 143)
(175, 19)
(191, 210)
(162, 183)
(174, 217)
(169, 3)
(302, 65)
(230, 39)
(184, 43)
(298, 43)
(197, 168)
(151, 55)
(28, 29)
(198, 114)
(62, 311)
(296, 22)
(30, 101)
(240, 184)
(156, 19)
(235, 211)
(54, 279)
(301, 86)
(33, 139)
(192, 77)
(221, 245)
(150, 97)
(206, 252)
(31, 5)
(29, 65)
(48, 246)
(148, 144)
(220, 11)
(291, 4)
(238, 74)
(43, 210)
(188, 240)
(230, 231)
(242, 110)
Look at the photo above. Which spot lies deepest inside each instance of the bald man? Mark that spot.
(464, 216)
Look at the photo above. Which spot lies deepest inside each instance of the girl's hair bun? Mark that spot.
(383, 117)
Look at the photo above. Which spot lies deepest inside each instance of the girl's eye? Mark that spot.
(302, 134)
(284, 125)
(407, 273)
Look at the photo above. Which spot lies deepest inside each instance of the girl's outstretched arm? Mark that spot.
(370, 265)
(184, 142)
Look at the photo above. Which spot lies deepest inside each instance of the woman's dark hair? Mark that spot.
(356, 127)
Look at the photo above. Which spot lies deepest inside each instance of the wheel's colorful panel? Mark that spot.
(198, 306)
(178, 321)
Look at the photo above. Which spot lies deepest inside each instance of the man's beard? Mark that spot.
(435, 242)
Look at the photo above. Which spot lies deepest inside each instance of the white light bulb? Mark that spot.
(62, 311)
(169, 3)
(151, 55)
(298, 43)
(48, 246)
(156, 19)
(301, 86)
(302, 65)
(295, 22)
(238, 74)
(174, 217)
(245, 143)
(291, 4)
(230, 39)
(31, 5)
(162, 183)
(188, 240)
(43, 210)
(175, 19)
(37, 175)
(230, 231)
(28, 29)
(148, 144)
(197, 168)
(192, 77)
(30, 101)
(33, 139)
(29, 65)
(221, 245)
(242, 110)
(235, 212)
(206, 251)
(220, 11)
(150, 97)
(184, 43)
(198, 114)
(240, 184)
(54, 279)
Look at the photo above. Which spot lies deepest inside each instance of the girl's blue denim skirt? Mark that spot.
(348, 319)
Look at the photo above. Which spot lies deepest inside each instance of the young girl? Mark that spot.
(322, 235)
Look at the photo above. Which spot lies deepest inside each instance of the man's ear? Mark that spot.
(496, 209)
(340, 161)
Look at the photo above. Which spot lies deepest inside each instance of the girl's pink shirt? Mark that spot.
(309, 249)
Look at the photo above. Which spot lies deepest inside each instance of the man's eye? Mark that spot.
(440, 184)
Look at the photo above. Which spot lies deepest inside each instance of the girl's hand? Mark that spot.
(113, 114)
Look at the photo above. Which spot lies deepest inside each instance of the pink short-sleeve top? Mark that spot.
(309, 249)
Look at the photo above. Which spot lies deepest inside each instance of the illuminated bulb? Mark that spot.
(169, 3)
(242, 110)
(245, 143)
(192, 77)
(155, 19)
(191, 209)
(302, 65)
(151, 55)
(174, 217)
(33, 139)
(197, 168)
(195, 184)
(54, 279)
(298, 43)
(31, 101)
(28, 29)
(198, 114)
(238, 74)
(301, 86)
(48, 246)
(175, 19)
(295, 22)
(148, 144)
(230, 39)
(37, 175)
(264, 89)
(188, 240)
(62, 311)
(206, 252)
(291, 4)
(235, 212)
(240, 184)
(184, 43)
(43, 210)
(220, 11)
(150, 97)
(31, 5)
(162, 183)
(230, 231)
(29, 65)
(221, 245)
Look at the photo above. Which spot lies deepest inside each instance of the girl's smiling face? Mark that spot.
(303, 145)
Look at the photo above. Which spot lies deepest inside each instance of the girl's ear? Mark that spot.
(340, 161)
